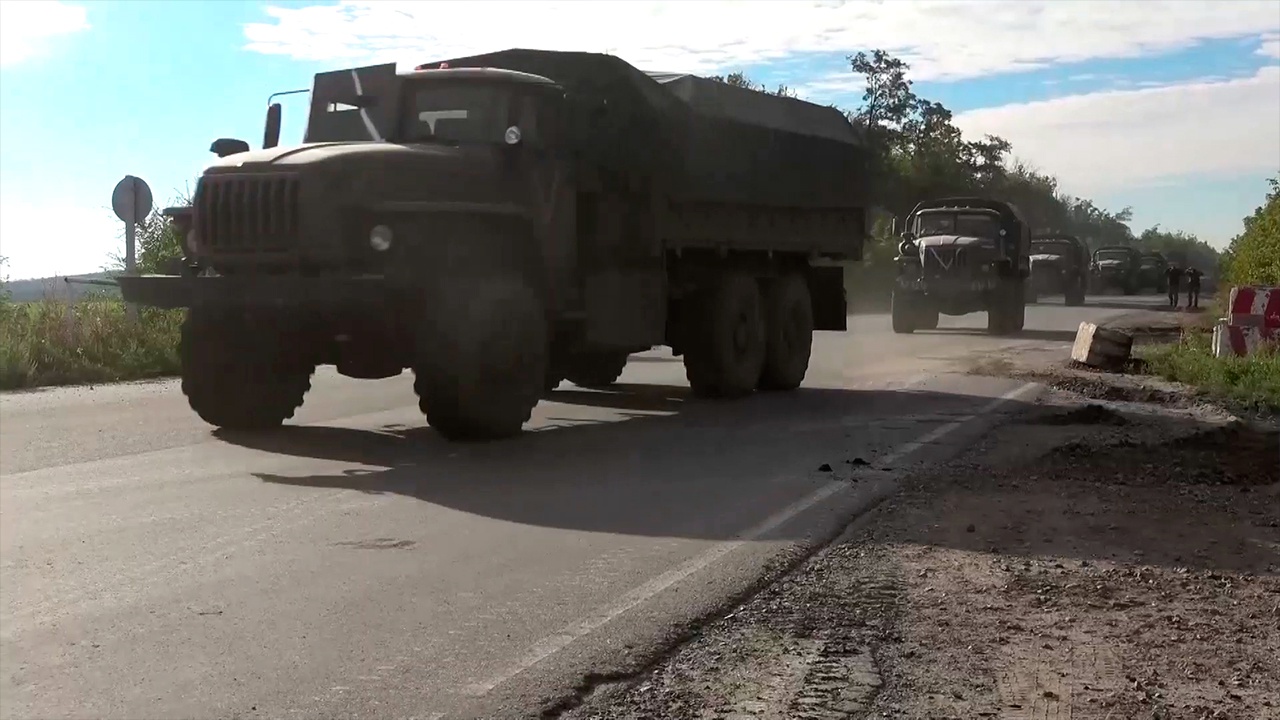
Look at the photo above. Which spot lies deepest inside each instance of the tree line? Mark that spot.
(919, 153)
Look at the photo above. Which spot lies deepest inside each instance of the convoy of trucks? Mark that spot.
(502, 222)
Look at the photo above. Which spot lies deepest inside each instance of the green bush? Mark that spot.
(53, 342)
(1254, 255)
(1253, 380)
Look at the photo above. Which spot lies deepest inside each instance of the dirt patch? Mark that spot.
(1069, 568)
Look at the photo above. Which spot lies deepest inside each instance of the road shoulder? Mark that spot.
(1113, 553)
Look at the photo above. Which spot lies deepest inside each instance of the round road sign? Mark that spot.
(131, 200)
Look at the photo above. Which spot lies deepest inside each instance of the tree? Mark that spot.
(1253, 258)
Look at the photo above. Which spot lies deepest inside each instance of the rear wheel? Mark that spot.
(237, 375)
(481, 360)
(726, 352)
(788, 313)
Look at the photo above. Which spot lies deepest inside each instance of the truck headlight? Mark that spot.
(380, 238)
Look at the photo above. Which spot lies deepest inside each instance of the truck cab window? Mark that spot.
(456, 113)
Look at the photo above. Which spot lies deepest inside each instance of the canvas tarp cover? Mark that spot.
(701, 140)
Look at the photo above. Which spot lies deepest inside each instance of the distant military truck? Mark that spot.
(503, 222)
(1116, 266)
(1060, 266)
(1153, 272)
(962, 255)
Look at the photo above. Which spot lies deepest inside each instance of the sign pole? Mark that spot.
(131, 200)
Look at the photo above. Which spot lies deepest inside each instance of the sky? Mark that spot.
(1172, 108)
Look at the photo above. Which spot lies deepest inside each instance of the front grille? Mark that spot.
(247, 214)
(943, 260)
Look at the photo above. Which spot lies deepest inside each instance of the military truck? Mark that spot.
(1153, 272)
(962, 255)
(1060, 265)
(1115, 266)
(502, 222)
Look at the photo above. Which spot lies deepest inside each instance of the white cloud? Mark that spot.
(25, 26)
(946, 39)
(43, 240)
(1270, 46)
(1111, 140)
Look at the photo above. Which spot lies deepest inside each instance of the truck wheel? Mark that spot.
(788, 322)
(1074, 296)
(726, 353)
(237, 378)
(1005, 307)
(902, 309)
(926, 317)
(596, 369)
(480, 371)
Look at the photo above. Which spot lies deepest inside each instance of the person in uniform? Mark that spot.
(1193, 287)
(1174, 276)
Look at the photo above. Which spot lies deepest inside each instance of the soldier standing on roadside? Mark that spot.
(1193, 287)
(1174, 276)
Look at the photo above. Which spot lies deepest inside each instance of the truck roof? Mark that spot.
(1007, 210)
(474, 73)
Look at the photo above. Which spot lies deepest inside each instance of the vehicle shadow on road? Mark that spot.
(1065, 336)
(696, 471)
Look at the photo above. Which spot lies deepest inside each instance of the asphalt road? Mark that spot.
(354, 564)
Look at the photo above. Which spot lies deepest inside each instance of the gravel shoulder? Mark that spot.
(1114, 553)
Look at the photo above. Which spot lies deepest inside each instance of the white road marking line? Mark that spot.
(548, 646)
(943, 430)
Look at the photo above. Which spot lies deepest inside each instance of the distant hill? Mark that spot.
(57, 288)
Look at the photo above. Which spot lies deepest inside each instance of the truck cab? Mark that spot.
(1116, 266)
(959, 256)
(1060, 264)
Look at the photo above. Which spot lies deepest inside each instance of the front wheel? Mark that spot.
(903, 312)
(481, 360)
(239, 376)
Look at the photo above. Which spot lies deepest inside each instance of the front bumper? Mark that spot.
(274, 291)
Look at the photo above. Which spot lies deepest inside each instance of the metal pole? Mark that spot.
(130, 264)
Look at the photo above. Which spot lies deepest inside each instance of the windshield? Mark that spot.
(1112, 255)
(456, 112)
(1051, 247)
(953, 223)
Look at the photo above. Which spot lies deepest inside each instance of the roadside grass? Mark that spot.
(58, 342)
(1253, 380)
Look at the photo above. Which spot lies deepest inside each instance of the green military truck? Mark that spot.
(1060, 265)
(1153, 272)
(502, 222)
(962, 255)
(1116, 266)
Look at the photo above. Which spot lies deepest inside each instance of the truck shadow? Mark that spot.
(697, 469)
(1064, 336)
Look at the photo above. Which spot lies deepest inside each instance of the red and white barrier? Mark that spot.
(1254, 307)
(1252, 322)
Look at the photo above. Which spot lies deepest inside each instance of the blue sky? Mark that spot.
(1174, 110)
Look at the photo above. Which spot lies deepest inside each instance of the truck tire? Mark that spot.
(927, 317)
(903, 313)
(596, 369)
(788, 323)
(236, 377)
(481, 360)
(1006, 313)
(727, 349)
(1074, 295)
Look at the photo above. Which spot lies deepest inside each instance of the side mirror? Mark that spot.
(271, 133)
(223, 147)
(893, 228)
